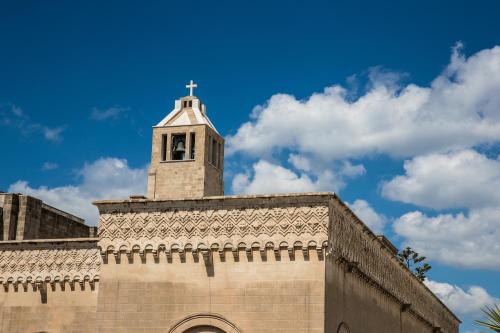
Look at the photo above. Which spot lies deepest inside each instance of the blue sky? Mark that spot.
(392, 105)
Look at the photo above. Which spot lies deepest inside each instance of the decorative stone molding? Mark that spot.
(355, 246)
(217, 224)
(204, 319)
(235, 253)
(49, 262)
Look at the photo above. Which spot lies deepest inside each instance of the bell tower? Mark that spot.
(187, 159)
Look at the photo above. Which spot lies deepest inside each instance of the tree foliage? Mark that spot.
(492, 318)
(414, 262)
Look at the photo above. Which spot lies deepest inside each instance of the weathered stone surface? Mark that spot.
(362, 266)
(220, 222)
(47, 261)
(49, 286)
(26, 217)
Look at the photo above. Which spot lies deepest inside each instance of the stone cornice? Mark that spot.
(62, 242)
(52, 261)
(237, 200)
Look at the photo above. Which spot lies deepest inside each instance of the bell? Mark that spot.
(180, 146)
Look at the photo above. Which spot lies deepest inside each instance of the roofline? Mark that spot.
(69, 243)
(167, 126)
(223, 197)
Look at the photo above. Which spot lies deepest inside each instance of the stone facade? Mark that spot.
(49, 286)
(184, 260)
(282, 263)
(26, 217)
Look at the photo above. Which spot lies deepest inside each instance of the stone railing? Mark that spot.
(353, 244)
(223, 223)
(49, 261)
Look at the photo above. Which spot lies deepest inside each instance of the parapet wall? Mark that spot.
(26, 217)
(215, 223)
(58, 224)
(363, 256)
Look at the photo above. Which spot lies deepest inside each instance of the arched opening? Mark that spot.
(343, 328)
(204, 323)
(204, 329)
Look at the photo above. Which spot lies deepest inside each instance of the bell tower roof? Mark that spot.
(188, 111)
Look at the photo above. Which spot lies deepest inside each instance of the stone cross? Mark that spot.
(191, 86)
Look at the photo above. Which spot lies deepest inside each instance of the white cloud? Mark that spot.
(375, 221)
(350, 170)
(459, 179)
(13, 116)
(461, 301)
(271, 178)
(451, 180)
(105, 178)
(47, 166)
(300, 162)
(469, 241)
(113, 112)
(458, 110)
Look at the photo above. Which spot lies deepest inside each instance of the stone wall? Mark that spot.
(26, 217)
(364, 278)
(253, 292)
(10, 207)
(254, 264)
(49, 286)
(59, 224)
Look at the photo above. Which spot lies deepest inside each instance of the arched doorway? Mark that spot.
(204, 323)
(204, 329)
(343, 328)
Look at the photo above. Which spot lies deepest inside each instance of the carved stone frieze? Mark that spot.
(38, 262)
(220, 223)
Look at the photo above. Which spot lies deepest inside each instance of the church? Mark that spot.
(185, 258)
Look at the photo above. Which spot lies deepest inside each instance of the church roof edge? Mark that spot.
(225, 197)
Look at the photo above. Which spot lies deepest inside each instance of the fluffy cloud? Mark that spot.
(113, 112)
(105, 178)
(469, 241)
(464, 179)
(459, 179)
(460, 301)
(458, 110)
(376, 222)
(13, 116)
(271, 178)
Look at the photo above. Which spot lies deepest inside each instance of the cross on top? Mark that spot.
(191, 86)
